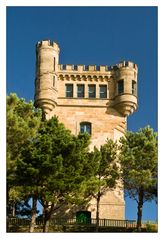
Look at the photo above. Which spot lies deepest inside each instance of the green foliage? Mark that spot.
(106, 169)
(151, 227)
(54, 165)
(138, 157)
(45, 161)
(22, 124)
(105, 172)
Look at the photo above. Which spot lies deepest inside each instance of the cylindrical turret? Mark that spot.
(47, 59)
(125, 99)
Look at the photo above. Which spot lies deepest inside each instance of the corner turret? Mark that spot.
(121, 80)
(47, 59)
(125, 77)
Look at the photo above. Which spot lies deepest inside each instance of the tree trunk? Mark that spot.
(13, 209)
(46, 221)
(33, 214)
(97, 212)
(47, 216)
(139, 213)
(46, 225)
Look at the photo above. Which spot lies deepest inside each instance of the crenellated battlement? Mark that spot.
(48, 43)
(97, 69)
(96, 99)
(84, 68)
(117, 83)
(127, 64)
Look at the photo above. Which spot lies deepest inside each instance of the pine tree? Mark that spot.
(53, 164)
(106, 172)
(23, 121)
(138, 158)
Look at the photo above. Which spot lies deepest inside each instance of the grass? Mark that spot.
(79, 228)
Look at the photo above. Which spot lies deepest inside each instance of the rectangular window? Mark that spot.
(134, 88)
(103, 91)
(85, 127)
(120, 86)
(69, 90)
(80, 91)
(91, 91)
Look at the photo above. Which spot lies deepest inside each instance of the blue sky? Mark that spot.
(89, 35)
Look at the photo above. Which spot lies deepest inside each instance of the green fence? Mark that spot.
(75, 221)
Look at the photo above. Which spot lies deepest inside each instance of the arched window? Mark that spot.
(85, 127)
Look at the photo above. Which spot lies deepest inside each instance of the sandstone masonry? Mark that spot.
(96, 99)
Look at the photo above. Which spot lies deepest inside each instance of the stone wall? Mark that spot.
(106, 123)
(107, 116)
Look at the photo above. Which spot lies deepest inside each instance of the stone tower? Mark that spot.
(95, 99)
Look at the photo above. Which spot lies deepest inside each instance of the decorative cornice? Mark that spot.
(83, 77)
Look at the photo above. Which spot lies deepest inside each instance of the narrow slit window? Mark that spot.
(120, 86)
(54, 63)
(69, 90)
(53, 81)
(134, 88)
